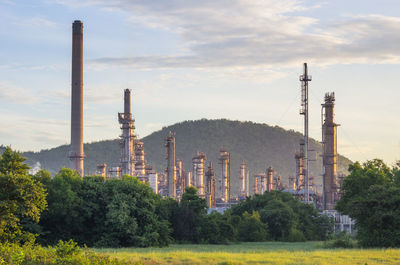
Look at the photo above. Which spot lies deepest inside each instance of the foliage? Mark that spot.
(21, 198)
(63, 253)
(113, 213)
(12, 163)
(251, 229)
(341, 240)
(286, 216)
(371, 196)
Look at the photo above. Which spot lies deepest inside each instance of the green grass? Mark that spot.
(254, 253)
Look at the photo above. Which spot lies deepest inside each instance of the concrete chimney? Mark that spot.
(76, 154)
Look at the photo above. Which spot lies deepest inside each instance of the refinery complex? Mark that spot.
(212, 180)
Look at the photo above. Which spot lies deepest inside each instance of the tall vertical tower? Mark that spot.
(127, 142)
(225, 161)
(76, 154)
(242, 178)
(171, 167)
(180, 177)
(270, 179)
(304, 79)
(140, 165)
(199, 172)
(329, 157)
(210, 193)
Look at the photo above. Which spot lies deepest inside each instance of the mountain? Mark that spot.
(258, 145)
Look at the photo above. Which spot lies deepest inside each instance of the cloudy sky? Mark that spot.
(187, 60)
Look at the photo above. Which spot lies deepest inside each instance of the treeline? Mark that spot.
(125, 212)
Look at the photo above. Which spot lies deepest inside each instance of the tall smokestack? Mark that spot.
(76, 154)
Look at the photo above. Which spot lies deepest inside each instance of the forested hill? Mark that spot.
(259, 145)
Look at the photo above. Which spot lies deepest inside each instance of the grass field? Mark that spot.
(254, 253)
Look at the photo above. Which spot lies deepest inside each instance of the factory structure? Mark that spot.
(212, 183)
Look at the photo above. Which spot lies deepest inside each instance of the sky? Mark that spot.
(187, 60)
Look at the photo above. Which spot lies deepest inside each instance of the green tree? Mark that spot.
(279, 217)
(371, 196)
(12, 163)
(21, 197)
(63, 219)
(251, 229)
(191, 216)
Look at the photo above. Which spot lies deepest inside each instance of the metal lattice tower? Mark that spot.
(304, 79)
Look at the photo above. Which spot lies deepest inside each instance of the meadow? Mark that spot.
(254, 253)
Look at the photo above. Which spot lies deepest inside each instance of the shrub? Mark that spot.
(341, 240)
(63, 253)
(296, 236)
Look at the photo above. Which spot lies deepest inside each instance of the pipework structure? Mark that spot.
(210, 190)
(304, 79)
(76, 154)
(225, 161)
(329, 157)
(171, 165)
(127, 160)
(199, 172)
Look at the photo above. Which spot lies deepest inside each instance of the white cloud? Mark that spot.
(15, 94)
(256, 34)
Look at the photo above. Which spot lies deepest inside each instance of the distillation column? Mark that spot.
(199, 172)
(270, 179)
(225, 161)
(171, 168)
(329, 157)
(242, 178)
(127, 142)
(76, 154)
(140, 165)
(210, 194)
(180, 177)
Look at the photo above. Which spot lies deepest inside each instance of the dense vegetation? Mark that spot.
(91, 211)
(371, 196)
(22, 199)
(259, 145)
(115, 213)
